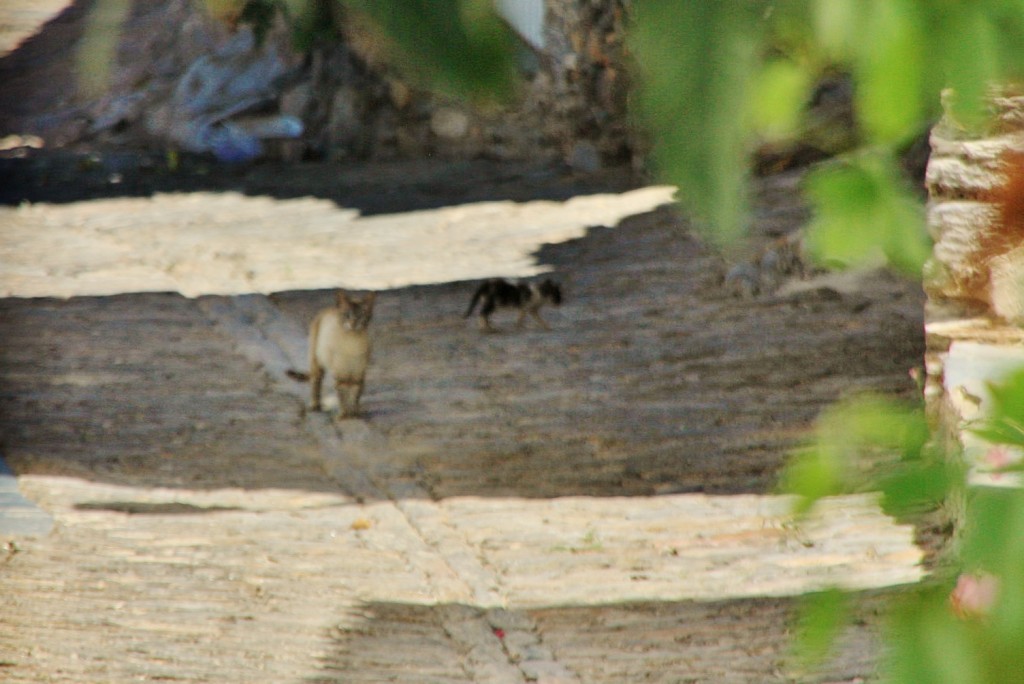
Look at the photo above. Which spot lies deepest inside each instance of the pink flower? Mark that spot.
(998, 457)
(974, 595)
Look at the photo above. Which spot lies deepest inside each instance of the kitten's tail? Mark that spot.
(472, 302)
(297, 375)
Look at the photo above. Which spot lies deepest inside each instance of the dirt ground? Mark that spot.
(653, 381)
(649, 359)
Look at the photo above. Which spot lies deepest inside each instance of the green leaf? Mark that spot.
(695, 62)
(812, 474)
(847, 436)
(993, 544)
(1006, 17)
(927, 645)
(96, 51)
(870, 420)
(1004, 423)
(459, 47)
(918, 486)
(890, 68)
(1008, 614)
(777, 101)
(984, 536)
(820, 618)
(1002, 432)
(864, 214)
(845, 198)
(1008, 398)
(904, 236)
(967, 47)
(837, 27)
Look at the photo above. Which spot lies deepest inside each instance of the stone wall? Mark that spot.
(975, 279)
(351, 103)
(571, 105)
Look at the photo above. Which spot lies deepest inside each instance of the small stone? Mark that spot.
(399, 93)
(344, 116)
(449, 123)
(547, 672)
(743, 280)
(584, 157)
(1006, 285)
(296, 100)
(508, 620)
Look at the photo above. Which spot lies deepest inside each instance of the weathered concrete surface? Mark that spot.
(232, 244)
(207, 530)
(21, 20)
(525, 506)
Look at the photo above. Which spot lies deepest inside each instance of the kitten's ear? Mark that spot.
(344, 303)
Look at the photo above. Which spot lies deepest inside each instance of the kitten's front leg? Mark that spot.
(316, 379)
(356, 396)
(349, 392)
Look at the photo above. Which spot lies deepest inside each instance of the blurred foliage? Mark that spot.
(307, 20)
(717, 78)
(821, 618)
(459, 47)
(1006, 422)
(930, 643)
(697, 62)
(777, 100)
(707, 117)
(865, 214)
(933, 639)
(96, 52)
(870, 443)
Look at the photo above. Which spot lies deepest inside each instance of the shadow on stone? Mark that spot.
(146, 508)
(734, 641)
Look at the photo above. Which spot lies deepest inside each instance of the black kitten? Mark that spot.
(527, 297)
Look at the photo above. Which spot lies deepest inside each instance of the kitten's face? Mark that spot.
(356, 313)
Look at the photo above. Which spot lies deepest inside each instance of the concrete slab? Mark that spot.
(233, 244)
